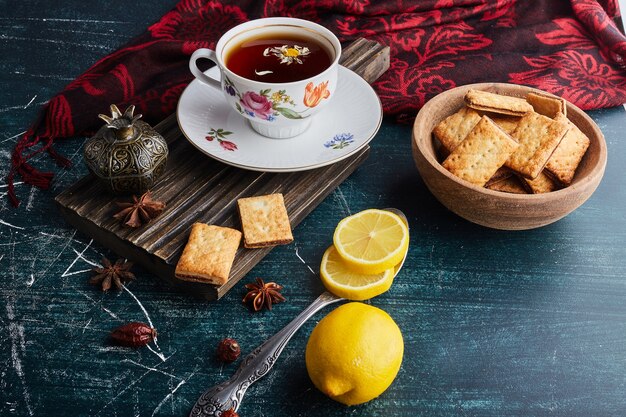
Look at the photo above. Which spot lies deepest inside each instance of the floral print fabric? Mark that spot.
(570, 48)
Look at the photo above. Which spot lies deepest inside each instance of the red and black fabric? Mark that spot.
(570, 48)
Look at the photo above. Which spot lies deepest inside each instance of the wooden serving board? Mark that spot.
(197, 188)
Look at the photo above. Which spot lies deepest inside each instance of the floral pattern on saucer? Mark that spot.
(220, 136)
(340, 141)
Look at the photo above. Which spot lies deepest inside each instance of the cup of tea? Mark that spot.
(277, 72)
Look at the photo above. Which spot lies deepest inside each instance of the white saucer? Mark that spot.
(345, 125)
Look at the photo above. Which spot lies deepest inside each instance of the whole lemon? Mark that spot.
(354, 353)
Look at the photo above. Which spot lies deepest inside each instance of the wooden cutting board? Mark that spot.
(197, 188)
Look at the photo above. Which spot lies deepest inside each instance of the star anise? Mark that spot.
(263, 294)
(140, 211)
(110, 273)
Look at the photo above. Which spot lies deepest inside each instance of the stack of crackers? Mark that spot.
(512, 144)
(210, 250)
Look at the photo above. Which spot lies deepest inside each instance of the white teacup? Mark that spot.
(275, 110)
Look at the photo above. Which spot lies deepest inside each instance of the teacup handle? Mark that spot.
(204, 53)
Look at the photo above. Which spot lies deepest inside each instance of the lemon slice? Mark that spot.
(371, 241)
(343, 282)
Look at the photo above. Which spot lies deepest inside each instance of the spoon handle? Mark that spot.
(229, 394)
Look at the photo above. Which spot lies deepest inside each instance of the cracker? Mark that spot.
(501, 174)
(507, 123)
(567, 156)
(452, 130)
(209, 254)
(510, 184)
(538, 137)
(264, 221)
(542, 184)
(546, 104)
(485, 149)
(484, 100)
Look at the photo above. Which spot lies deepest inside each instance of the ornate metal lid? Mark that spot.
(122, 124)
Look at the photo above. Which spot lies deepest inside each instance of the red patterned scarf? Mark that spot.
(569, 48)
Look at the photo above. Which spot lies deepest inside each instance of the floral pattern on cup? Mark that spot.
(257, 105)
(220, 136)
(268, 105)
(314, 94)
(340, 141)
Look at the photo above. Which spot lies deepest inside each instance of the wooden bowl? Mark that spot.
(497, 209)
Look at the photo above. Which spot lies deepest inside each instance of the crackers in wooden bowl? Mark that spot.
(552, 171)
(532, 137)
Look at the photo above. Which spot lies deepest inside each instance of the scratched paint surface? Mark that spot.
(495, 323)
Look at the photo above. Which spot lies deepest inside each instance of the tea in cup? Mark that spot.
(277, 72)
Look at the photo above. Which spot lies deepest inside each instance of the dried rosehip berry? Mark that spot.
(229, 413)
(228, 350)
(134, 334)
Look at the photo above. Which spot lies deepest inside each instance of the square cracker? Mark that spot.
(209, 254)
(542, 184)
(501, 174)
(507, 123)
(452, 130)
(264, 221)
(567, 156)
(485, 149)
(497, 103)
(508, 185)
(546, 104)
(538, 137)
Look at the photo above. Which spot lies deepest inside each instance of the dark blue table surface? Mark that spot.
(495, 323)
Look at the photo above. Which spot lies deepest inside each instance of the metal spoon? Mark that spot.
(229, 394)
